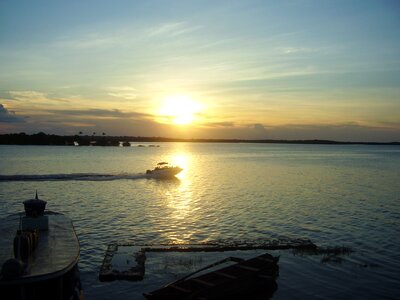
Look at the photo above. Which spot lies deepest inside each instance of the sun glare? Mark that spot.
(179, 109)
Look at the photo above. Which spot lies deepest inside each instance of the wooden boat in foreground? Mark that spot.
(246, 279)
(41, 260)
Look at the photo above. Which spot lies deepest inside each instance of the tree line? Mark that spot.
(102, 139)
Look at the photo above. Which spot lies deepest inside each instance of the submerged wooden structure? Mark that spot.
(132, 270)
(47, 270)
(127, 261)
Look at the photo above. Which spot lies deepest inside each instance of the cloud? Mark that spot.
(98, 113)
(124, 92)
(70, 121)
(67, 115)
(299, 50)
(259, 129)
(87, 41)
(336, 132)
(26, 95)
(7, 116)
(220, 124)
(34, 98)
(172, 29)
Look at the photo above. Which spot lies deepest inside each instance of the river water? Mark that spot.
(334, 195)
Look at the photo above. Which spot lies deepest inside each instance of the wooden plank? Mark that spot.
(225, 275)
(266, 259)
(247, 268)
(179, 288)
(198, 280)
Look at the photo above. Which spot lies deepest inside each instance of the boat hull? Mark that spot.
(62, 287)
(51, 270)
(163, 173)
(248, 279)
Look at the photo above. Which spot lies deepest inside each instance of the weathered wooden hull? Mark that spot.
(244, 280)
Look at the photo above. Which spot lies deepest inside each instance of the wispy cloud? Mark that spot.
(98, 113)
(36, 103)
(27, 95)
(125, 92)
(34, 97)
(297, 50)
(172, 29)
(88, 41)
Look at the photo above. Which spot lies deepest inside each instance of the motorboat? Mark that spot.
(39, 254)
(163, 170)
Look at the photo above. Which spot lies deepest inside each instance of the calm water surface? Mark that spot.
(334, 195)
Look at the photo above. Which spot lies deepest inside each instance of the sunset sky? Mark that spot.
(202, 69)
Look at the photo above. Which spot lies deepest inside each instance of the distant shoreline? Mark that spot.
(103, 140)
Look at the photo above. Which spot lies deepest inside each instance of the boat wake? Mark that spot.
(73, 176)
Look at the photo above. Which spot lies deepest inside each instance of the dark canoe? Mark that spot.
(247, 279)
(51, 272)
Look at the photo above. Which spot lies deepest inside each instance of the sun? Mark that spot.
(179, 109)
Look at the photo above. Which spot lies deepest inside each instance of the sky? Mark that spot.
(305, 69)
